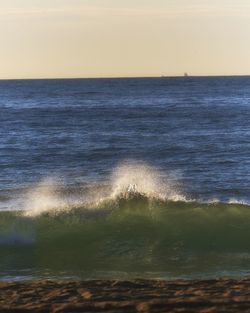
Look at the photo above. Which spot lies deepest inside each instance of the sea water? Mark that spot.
(125, 178)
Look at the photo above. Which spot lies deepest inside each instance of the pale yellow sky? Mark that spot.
(110, 38)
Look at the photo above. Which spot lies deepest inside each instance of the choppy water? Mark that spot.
(125, 178)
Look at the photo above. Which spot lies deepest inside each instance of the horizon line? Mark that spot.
(128, 77)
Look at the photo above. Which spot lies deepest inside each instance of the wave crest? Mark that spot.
(129, 179)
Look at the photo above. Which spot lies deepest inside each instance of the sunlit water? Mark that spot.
(124, 178)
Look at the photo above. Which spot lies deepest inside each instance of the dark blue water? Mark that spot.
(68, 138)
(194, 128)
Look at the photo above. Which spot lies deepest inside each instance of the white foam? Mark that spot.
(145, 179)
(237, 201)
(43, 198)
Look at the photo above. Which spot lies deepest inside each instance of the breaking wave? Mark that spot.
(128, 178)
(135, 222)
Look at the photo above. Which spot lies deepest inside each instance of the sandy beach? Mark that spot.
(223, 295)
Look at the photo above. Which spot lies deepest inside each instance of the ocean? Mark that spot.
(125, 178)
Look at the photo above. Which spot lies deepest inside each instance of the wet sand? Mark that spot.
(224, 295)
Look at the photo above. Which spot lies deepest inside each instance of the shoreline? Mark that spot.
(206, 296)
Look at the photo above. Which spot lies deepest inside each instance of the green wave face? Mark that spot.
(131, 236)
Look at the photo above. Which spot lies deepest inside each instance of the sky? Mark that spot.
(123, 38)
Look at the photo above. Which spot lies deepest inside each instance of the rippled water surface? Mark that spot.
(125, 177)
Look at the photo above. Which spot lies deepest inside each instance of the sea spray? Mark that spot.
(104, 230)
(146, 180)
(48, 195)
(42, 198)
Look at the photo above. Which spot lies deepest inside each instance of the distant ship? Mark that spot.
(185, 74)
